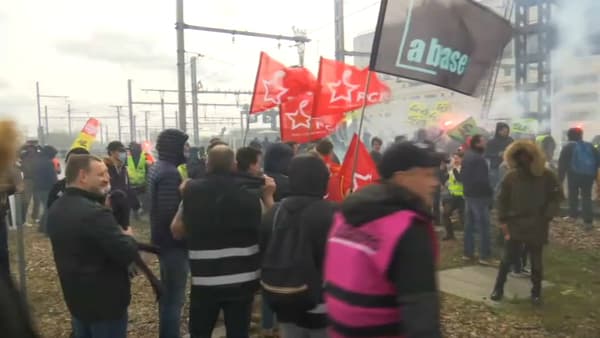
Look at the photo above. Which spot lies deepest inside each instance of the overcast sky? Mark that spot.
(88, 49)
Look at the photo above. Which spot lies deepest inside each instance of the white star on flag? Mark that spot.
(350, 87)
(360, 177)
(275, 83)
(300, 111)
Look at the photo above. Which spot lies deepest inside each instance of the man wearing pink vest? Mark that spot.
(381, 252)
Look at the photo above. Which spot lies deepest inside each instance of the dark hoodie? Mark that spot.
(277, 160)
(497, 145)
(136, 151)
(308, 178)
(163, 185)
(412, 269)
(44, 174)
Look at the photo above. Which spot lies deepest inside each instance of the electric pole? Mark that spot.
(162, 111)
(119, 133)
(69, 118)
(339, 30)
(180, 26)
(131, 117)
(146, 124)
(106, 134)
(194, 100)
(40, 131)
(46, 122)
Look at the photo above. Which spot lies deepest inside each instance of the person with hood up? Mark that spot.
(529, 198)
(44, 177)
(380, 267)
(308, 178)
(277, 160)
(579, 162)
(163, 188)
(495, 150)
(478, 194)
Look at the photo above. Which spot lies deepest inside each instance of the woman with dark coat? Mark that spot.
(530, 196)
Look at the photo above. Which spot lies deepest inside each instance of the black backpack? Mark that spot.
(290, 279)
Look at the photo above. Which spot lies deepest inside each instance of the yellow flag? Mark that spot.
(87, 136)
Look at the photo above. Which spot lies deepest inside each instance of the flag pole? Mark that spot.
(360, 127)
(247, 129)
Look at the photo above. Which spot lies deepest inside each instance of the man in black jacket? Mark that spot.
(494, 151)
(91, 252)
(44, 177)
(478, 198)
(578, 182)
(309, 177)
(222, 223)
(163, 186)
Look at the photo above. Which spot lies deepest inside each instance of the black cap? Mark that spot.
(408, 155)
(115, 146)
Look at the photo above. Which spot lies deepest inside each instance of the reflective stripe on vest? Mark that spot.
(182, 168)
(226, 279)
(454, 187)
(137, 173)
(223, 253)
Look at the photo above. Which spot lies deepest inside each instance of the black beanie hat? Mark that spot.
(407, 155)
(308, 176)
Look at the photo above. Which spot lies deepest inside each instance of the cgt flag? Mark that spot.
(298, 123)
(276, 83)
(342, 88)
(87, 136)
(449, 43)
(342, 182)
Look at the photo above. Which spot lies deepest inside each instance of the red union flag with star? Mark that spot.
(276, 83)
(298, 123)
(342, 88)
(366, 170)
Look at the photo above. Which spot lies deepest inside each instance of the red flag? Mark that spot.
(275, 83)
(342, 88)
(298, 124)
(340, 184)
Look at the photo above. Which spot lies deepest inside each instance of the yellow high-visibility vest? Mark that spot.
(455, 187)
(182, 168)
(137, 173)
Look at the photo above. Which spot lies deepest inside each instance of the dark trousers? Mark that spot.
(4, 257)
(436, 205)
(452, 204)
(204, 313)
(580, 185)
(514, 249)
(521, 259)
(101, 329)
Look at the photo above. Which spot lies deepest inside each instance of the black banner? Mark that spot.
(449, 43)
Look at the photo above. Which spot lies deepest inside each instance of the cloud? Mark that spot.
(4, 84)
(120, 49)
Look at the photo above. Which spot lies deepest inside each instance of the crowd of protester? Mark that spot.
(256, 221)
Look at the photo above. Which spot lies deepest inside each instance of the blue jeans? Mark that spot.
(268, 317)
(101, 329)
(581, 185)
(477, 214)
(174, 268)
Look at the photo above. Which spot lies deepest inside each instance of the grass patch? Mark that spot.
(572, 306)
